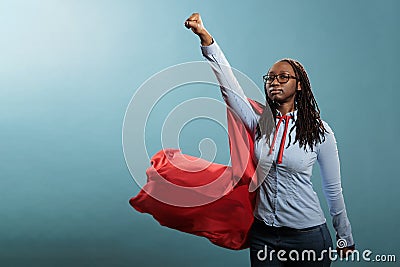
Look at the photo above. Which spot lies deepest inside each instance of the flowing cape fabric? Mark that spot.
(204, 198)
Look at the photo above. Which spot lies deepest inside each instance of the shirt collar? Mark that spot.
(292, 113)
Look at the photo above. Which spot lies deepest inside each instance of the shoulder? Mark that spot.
(329, 137)
(328, 128)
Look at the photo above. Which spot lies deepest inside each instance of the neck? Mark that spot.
(285, 108)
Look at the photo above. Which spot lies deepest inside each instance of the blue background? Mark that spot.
(68, 70)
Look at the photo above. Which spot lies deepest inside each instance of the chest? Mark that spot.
(294, 158)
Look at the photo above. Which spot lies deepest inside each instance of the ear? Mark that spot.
(298, 86)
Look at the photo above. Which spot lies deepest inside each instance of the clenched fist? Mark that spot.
(195, 23)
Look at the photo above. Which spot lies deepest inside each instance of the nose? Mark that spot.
(275, 82)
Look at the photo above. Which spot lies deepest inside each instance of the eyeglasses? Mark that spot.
(282, 78)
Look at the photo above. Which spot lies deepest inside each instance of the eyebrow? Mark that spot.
(281, 72)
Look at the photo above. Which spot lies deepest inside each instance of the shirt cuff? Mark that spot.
(343, 229)
(345, 241)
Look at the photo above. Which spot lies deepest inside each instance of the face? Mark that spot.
(282, 92)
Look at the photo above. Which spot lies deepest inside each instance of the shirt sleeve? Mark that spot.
(328, 159)
(232, 92)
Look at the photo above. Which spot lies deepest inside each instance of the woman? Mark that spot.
(288, 219)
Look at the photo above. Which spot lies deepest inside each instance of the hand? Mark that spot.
(345, 252)
(195, 23)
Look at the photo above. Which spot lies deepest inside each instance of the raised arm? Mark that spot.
(328, 159)
(231, 91)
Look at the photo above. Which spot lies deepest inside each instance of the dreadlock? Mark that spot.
(309, 127)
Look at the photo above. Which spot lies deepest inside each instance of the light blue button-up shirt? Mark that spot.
(286, 196)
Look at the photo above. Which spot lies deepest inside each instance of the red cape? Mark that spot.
(204, 198)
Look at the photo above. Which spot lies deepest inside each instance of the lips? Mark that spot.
(275, 91)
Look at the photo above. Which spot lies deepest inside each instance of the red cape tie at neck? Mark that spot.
(285, 118)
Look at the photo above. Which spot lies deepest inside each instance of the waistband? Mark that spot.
(262, 224)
